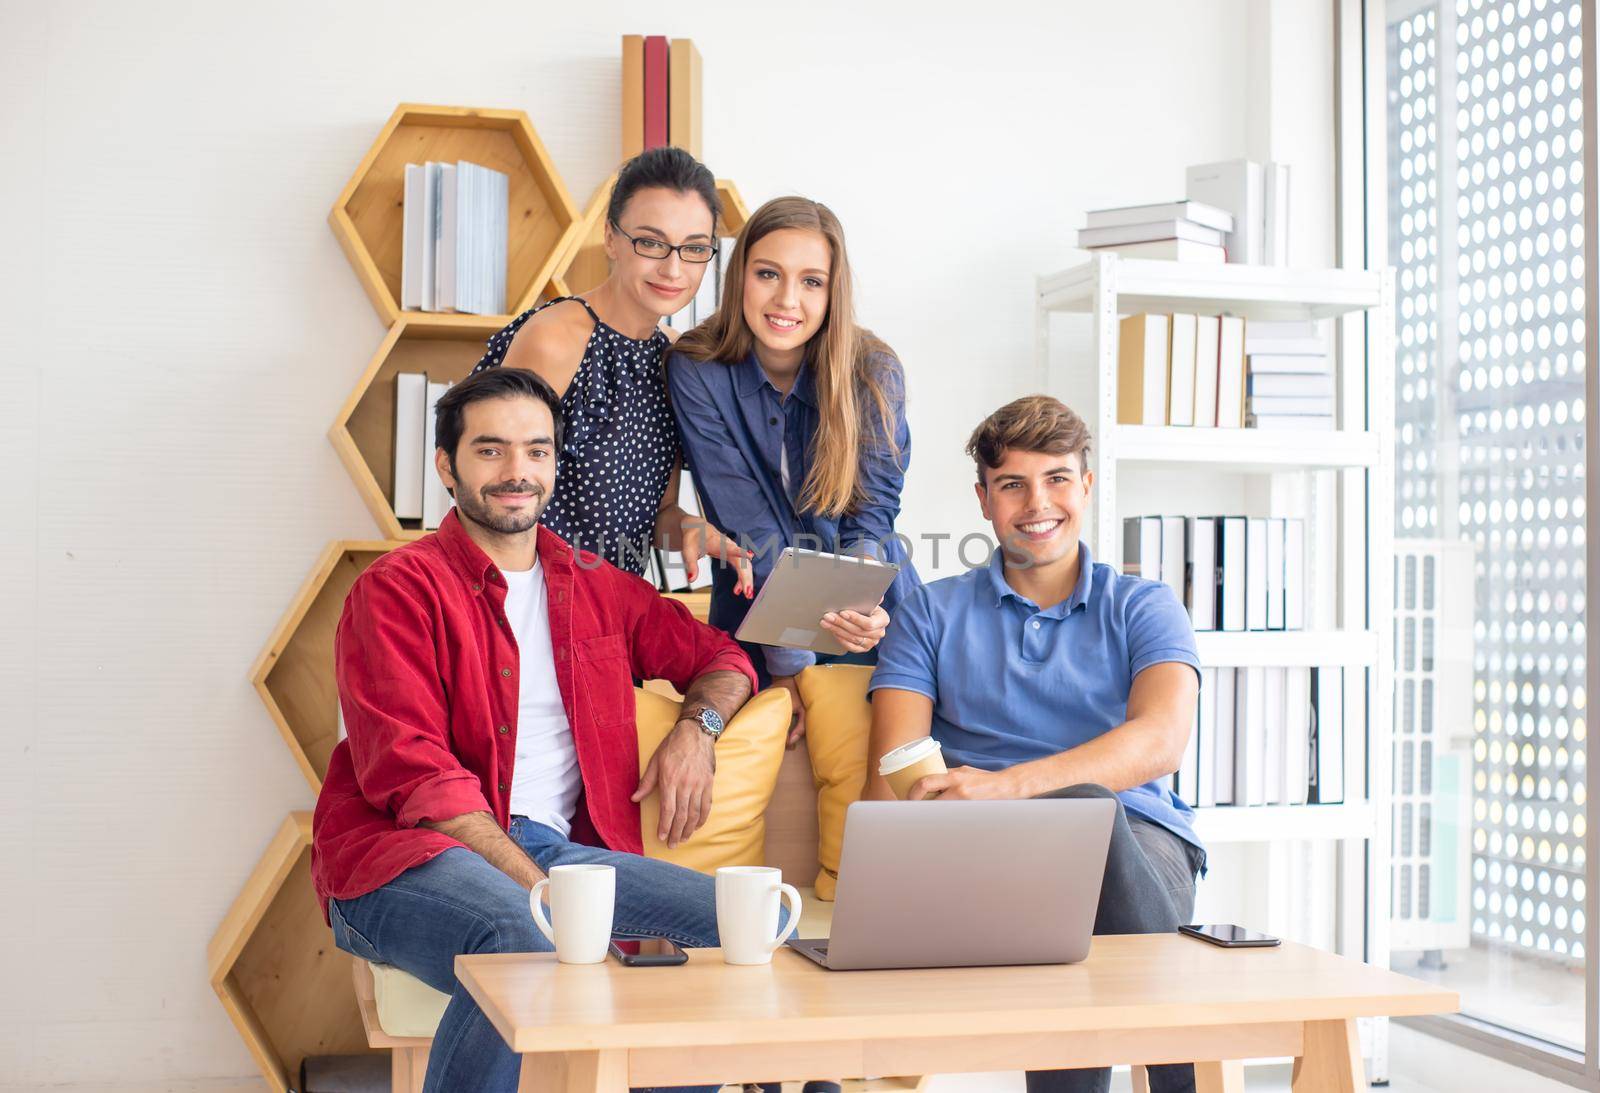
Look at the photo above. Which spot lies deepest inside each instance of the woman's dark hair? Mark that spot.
(668, 168)
(490, 383)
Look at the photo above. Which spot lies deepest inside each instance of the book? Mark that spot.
(1141, 547)
(1290, 362)
(1328, 702)
(483, 213)
(1231, 565)
(1291, 385)
(632, 95)
(1294, 575)
(655, 91)
(1292, 337)
(1221, 747)
(1275, 214)
(1194, 212)
(1274, 737)
(1234, 186)
(1273, 405)
(1306, 423)
(1180, 402)
(1255, 578)
(1277, 540)
(431, 194)
(1250, 737)
(1153, 232)
(1187, 782)
(413, 225)
(1297, 744)
(436, 500)
(1206, 346)
(683, 96)
(1204, 791)
(1230, 372)
(410, 431)
(446, 261)
(1172, 250)
(1142, 347)
(1173, 554)
(1201, 550)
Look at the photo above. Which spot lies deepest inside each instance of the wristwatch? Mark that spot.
(710, 721)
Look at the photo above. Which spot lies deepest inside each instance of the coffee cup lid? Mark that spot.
(908, 753)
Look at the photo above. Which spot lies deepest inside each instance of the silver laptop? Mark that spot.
(952, 884)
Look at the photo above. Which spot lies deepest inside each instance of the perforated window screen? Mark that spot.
(1485, 213)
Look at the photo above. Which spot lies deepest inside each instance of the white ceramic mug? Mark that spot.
(747, 912)
(583, 901)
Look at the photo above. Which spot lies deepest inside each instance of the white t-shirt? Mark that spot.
(545, 781)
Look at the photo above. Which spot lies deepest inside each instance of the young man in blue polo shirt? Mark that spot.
(1045, 674)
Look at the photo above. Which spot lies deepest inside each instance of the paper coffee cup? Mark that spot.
(904, 765)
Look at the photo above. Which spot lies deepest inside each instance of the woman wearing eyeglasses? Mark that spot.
(616, 488)
(793, 418)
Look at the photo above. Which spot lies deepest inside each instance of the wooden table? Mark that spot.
(1138, 999)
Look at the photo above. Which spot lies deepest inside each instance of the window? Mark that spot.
(1485, 161)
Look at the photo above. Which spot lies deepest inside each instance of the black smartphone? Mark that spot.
(1230, 937)
(655, 953)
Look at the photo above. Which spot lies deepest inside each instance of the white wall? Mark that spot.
(180, 328)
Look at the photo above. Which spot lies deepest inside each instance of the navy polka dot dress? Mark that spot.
(620, 442)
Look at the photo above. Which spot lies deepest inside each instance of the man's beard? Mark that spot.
(480, 510)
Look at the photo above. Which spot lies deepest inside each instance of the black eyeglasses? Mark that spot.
(645, 247)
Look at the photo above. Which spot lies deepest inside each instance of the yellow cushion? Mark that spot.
(838, 721)
(748, 757)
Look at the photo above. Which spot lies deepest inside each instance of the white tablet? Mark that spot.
(803, 586)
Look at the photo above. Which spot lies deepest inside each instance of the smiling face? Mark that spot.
(786, 291)
(662, 286)
(1035, 502)
(504, 469)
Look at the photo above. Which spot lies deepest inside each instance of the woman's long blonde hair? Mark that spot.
(840, 354)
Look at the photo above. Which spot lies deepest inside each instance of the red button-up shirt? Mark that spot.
(428, 680)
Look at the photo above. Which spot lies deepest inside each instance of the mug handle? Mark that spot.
(537, 907)
(792, 895)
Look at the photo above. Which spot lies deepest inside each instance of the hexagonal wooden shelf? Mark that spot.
(274, 965)
(363, 435)
(295, 673)
(584, 264)
(368, 217)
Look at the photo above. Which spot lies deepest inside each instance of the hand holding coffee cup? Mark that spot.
(583, 902)
(747, 912)
(903, 767)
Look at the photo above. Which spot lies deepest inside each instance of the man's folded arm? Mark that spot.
(667, 642)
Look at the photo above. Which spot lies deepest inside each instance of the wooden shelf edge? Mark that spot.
(292, 837)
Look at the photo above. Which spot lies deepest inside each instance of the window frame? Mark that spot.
(1361, 233)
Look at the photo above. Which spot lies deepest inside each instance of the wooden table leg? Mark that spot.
(1224, 1077)
(1332, 1059)
(575, 1072)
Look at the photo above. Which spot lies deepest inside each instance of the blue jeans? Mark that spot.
(459, 903)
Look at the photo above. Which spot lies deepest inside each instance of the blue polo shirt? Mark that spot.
(1011, 683)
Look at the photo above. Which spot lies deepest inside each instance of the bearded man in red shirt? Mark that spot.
(486, 679)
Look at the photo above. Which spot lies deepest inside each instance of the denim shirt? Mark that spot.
(736, 431)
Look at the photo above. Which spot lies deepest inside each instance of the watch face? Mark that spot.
(712, 722)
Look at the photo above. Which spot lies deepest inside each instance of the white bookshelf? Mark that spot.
(1340, 482)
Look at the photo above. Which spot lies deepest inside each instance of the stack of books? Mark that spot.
(1256, 196)
(1265, 736)
(1185, 231)
(1181, 370)
(1290, 376)
(418, 493)
(661, 94)
(453, 255)
(1231, 572)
